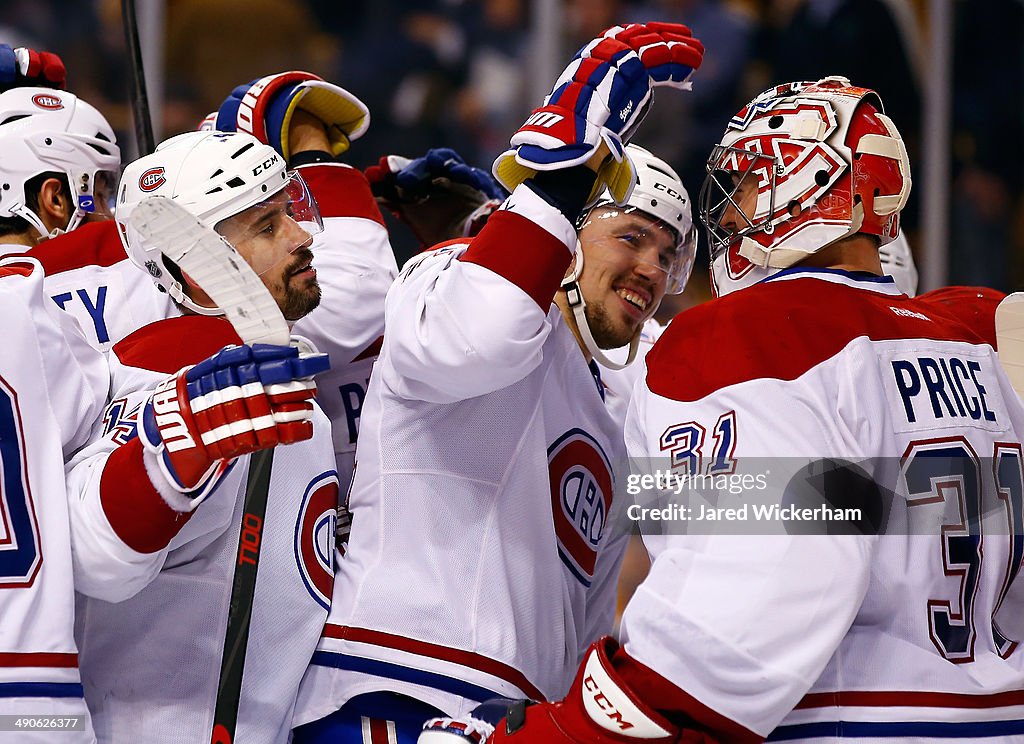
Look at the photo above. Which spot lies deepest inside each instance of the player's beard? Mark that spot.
(606, 334)
(298, 298)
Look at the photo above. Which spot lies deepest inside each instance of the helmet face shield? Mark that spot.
(653, 241)
(737, 197)
(270, 231)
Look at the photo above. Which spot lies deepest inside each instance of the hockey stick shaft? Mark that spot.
(137, 77)
(243, 587)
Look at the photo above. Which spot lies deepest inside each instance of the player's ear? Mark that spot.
(54, 204)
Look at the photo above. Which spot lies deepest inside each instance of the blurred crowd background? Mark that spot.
(461, 74)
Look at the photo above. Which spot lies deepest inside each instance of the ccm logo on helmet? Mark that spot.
(152, 179)
(264, 165)
(48, 102)
(670, 192)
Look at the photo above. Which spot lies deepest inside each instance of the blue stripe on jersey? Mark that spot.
(404, 674)
(41, 689)
(890, 729)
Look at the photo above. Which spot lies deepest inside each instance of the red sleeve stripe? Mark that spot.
(168, 345)
(370, 351)
(17, 269)
(93, 244)
(526, 254)
(910, 699)
(136, 511)
(432, 650)
(43, 659)
(341, 191)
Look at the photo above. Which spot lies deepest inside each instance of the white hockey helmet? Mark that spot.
(215, 175)
(44, 130)
(898, 262)
(658, 193)
(824, 163)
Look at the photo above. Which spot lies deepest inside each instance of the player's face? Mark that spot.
(739, 212)
(626, 256)
(278, 250)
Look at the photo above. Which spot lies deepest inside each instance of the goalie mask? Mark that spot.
(52, 131)
(800, 167)
(216, 176)
(655, 224)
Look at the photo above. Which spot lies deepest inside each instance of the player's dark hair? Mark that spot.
(19, 225)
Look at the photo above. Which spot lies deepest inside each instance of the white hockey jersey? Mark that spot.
(38, 417)
(910, 635)
(482, 559)
(60, 529)
(150, 658)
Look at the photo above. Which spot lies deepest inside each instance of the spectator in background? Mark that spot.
(988, 123)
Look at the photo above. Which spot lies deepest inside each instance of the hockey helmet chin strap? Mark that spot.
(574, 295)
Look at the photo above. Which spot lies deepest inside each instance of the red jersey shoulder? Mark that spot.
(975, 307)
(94, 244)
(781, 329)
(341, 191)
(168, 345)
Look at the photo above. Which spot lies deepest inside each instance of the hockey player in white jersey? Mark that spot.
(152, 663)
(482, 559)
(810, 353)
(61, 161)
(101, 528)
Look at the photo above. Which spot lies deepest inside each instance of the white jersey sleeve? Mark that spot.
(463, 322)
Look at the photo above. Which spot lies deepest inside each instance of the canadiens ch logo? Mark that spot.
(314, 537)
(47, 101)
(581, 500)
(152, 179)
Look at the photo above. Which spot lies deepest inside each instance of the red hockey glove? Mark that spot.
(599, 709)
(23, 67)
(242, 399)
(601, 98)
(264, 109)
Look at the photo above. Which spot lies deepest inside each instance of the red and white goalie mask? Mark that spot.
(800, 167)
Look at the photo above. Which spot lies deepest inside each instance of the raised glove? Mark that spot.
(264, 109)
(242, 399)
(22, 67)
(601, 98)
(438, 196)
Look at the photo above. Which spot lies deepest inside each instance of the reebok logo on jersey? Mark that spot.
(152, 179)
(904, 313)
(48, 102)
(167, 414)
